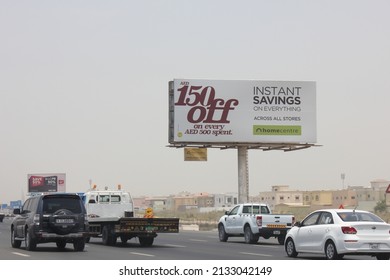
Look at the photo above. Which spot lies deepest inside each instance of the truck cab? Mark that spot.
(108, 203)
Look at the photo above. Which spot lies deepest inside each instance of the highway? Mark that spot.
(186, 245)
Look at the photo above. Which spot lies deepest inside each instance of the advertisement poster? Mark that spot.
(54, 182)
(218, 111)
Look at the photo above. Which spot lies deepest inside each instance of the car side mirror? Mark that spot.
(227, 213)
(16, 211)
(297, 224)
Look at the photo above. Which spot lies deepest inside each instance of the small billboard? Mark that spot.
(16, 204)
(387, 196)
(53, 182)
(195, 154)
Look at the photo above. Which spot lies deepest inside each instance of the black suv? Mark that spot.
(56, 217)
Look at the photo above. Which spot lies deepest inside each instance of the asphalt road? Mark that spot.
(186, 245)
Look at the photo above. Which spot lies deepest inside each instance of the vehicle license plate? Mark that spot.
(374, 245)
(276, 232)
(64, 221)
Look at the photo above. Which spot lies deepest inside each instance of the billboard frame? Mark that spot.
(286, 147)
(188, 96)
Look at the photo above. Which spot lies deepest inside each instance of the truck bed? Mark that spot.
(150, 224)
(136, 225)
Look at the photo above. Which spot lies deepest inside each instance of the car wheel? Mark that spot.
(281, 239)
(79, 244)
(223, 237)
(62, 212)
(61, 244)
(383, 256)
(290, 248)
(146, 241)
(59, 228)
(331, 251)
(15, 243)
(124, 240)
(250, 238)
(30, 242)
(107, 237)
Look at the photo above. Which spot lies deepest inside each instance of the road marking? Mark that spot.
(198, 240)
(266, 246)
(20, 254)
(254, 254)
(174, 245)
(141, 254)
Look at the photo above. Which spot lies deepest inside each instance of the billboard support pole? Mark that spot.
(243, 185)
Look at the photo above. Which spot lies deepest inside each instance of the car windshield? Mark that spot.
(359, 216)
(53, 204)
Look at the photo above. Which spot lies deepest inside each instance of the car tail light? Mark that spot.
(259, 221)
(348, 230)
(36, 219)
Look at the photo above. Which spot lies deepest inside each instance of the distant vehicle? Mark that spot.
(111, 215)
(2, 215)
(56, 217)
(339, 232)
(254, 220)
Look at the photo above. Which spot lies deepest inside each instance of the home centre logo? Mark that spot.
(205, 107)
(290, 130)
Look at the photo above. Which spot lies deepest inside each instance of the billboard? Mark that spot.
(54, 182)
(234, 111)
(16, 204)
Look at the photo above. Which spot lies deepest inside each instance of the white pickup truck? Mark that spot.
(253, 220)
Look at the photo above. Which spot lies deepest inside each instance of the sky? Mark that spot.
(84, 90)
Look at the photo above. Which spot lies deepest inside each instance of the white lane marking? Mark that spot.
(20, 254)
(198, 240)
(174, 245)
(254, 254)
(266, 246)
(141, 254)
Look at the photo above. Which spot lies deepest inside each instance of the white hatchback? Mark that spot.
(338, 232)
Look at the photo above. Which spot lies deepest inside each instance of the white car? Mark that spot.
(338, 232)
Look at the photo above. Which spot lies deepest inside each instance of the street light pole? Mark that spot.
(343, 178)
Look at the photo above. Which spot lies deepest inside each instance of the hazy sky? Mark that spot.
(84, 90)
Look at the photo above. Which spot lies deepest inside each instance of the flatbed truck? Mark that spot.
(111, 216)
